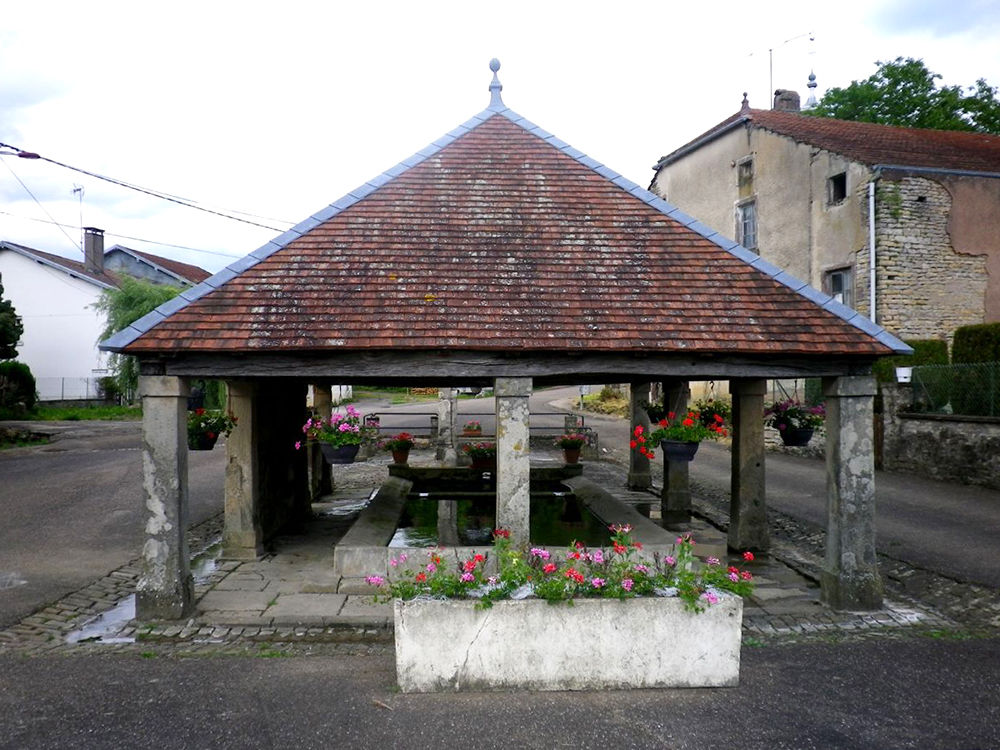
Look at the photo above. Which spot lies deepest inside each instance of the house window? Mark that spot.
(746, 224)
(836, 188)
(840, 286)
(744, 173)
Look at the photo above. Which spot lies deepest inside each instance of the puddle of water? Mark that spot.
(10, 580)
(104, 627)
(206, 562)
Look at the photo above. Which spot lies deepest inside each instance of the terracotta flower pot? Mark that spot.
(471, 433)
(339, 454)
(572, 455)
(202, 441)
(678, 450)
(400, 456)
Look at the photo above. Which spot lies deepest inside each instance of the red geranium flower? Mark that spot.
(421, 577)
(748, 556)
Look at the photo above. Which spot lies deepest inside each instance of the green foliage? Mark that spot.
(979, 343)
(904, 92)
(11, 327)
(86, 413)
(17, 388)
(122, 307)
(925, 352)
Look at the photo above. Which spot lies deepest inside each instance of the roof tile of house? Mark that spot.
(108, 278)
(869, 143)
(194, 274)
(498, 237)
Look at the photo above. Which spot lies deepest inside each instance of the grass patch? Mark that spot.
(606, 403)
(80, 413)
(948, 635)
(148, 654)
(20, 439)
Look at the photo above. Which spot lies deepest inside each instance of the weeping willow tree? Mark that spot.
(122, 307)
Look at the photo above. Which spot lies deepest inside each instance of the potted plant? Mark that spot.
(654, 409)
(205, 426)
(399, 445)
(794, 421)
(472, 428)
(483, 455)
(709, 408)
(491, 624)
(571, 444)
(679, 436)
(339, 437)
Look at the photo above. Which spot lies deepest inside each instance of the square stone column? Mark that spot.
(447, 408)
(850, 579)
(242, 536)
(165, 590)
(639, 477)
(747, 504)
(675, 497)
(513, 460)
(320, 475)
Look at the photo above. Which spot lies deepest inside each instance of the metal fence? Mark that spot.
(970, 390)
(68, 389)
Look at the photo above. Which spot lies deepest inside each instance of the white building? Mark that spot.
(55, 296)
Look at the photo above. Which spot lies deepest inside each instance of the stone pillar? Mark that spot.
(513, 461)
(747, 503)
(639, 477)
(242, 536)
(675, 497)
(446, 445)
(850, 579)
(447, 523)
(320, 475)
(165, 590)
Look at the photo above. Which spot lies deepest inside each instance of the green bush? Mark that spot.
(17, 387)
(979, 343)
(925, 352)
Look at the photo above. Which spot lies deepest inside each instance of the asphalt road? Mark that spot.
(885, 694)
(948, 528)
(72, 511)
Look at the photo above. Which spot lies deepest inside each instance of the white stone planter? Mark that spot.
(904, 374)
(595, 643)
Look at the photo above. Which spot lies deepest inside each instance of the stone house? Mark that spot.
(55, 296)
(799, 190)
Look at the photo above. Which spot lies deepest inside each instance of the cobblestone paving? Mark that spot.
(784, 609)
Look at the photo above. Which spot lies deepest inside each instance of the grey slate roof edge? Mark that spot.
(144, 259)
(851, 317)
(120, 340)
(26, 252)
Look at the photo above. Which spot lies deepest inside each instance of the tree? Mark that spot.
(904, 92)
(124, 306)
(11, 327)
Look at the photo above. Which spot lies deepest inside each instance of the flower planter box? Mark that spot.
(449, 645)
(796, 437)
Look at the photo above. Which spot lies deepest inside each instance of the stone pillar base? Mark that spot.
(160, 605)
(676, 516)
(861, 591)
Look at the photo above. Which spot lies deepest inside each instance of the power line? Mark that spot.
(125, 236)
(40, 205)
(226, 213)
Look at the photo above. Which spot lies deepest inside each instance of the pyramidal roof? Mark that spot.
(500, 236)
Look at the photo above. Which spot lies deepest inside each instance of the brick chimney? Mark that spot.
(786, 100)
(93, 249)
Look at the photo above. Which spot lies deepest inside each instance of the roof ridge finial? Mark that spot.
(811, 101)
(495, 86)
(745, 105)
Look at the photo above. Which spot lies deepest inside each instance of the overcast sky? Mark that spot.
(278, 109)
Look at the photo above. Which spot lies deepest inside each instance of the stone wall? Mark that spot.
(946, 447)
(925, 289)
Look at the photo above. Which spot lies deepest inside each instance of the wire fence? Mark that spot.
(969, 389)
(68, 389)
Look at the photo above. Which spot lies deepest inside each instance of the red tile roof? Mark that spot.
(502, 240)
(194, 274)
(869, 143)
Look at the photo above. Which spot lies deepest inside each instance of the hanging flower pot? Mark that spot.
(679, 450)
(339, 454)
(204, 441)
(796, 437)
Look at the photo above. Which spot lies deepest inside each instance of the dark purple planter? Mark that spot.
(676, 450)
(796, 437)
(343, 454)
(201, 442)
